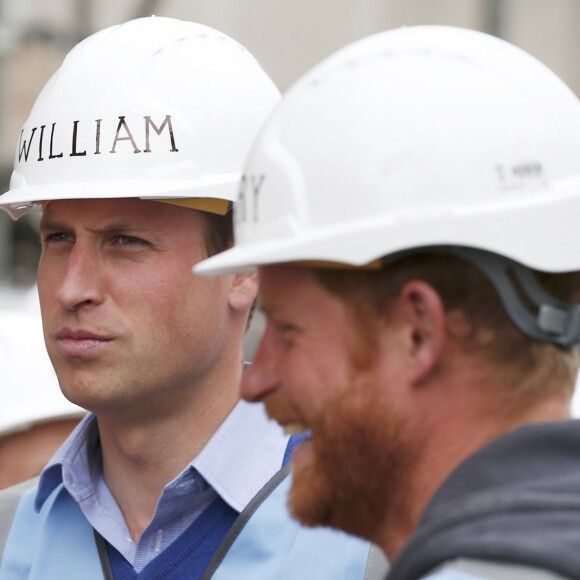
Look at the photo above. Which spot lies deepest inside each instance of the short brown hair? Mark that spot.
(219, 236)
(219, 231)
(530, 367)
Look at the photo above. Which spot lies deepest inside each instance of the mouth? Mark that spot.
(80, 334)
(286, 415)
(294, 428)
(81, 342)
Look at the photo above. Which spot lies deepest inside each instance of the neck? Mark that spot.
(468, 427)
(141, 456)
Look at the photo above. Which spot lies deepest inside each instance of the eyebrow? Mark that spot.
(48, 224)
(110, 228)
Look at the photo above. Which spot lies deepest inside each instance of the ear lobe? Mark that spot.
(424, 315)
(243, 291)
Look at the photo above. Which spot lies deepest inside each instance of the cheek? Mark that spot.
(47, 292)
(315, 377)
(177, 285)
(190, 306)
(46, 277)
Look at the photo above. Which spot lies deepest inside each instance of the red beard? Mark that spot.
(350, 472)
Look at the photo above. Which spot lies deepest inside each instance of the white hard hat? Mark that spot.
(154, 108)
(29, 391)
(418, 137)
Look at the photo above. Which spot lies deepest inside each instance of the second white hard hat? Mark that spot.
(29, 390)
(417, 137)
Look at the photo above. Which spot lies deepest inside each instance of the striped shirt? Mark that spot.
(240, 458)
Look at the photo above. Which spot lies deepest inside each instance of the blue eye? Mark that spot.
(130, 241)
(58, 237)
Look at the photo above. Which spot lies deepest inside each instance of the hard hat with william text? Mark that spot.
(155, 108)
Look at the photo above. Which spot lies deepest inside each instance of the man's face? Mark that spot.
(128, 327)
(308, 371)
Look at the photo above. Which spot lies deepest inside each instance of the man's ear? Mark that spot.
(423, 315)
(243, 291)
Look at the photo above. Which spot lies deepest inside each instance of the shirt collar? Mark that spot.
(241, 457)
(74, 463)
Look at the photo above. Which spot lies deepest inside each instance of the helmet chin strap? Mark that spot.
(535, 311)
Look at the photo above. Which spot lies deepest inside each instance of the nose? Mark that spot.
(81, 281)
(261, 377)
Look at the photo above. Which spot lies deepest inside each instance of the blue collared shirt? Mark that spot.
(240, 458)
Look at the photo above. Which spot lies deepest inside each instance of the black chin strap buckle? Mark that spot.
(561, 323)
(533, 310)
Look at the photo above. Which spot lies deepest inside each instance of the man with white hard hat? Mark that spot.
(412, 208)
(133, 151)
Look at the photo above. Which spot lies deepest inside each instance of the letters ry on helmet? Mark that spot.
(248, 199)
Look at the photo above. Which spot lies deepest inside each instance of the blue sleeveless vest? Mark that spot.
(264, 543)
(273, 545)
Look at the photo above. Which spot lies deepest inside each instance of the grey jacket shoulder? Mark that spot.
(471, 569)
(9, 500)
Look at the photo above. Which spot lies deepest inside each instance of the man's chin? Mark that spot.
(327, 490)
(310, 497)
(314, 503)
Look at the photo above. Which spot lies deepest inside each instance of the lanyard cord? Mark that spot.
(103, 556)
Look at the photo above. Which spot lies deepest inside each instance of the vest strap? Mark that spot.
(103, 556)
(242, 520)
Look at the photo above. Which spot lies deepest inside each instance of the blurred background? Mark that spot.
(286, 36)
